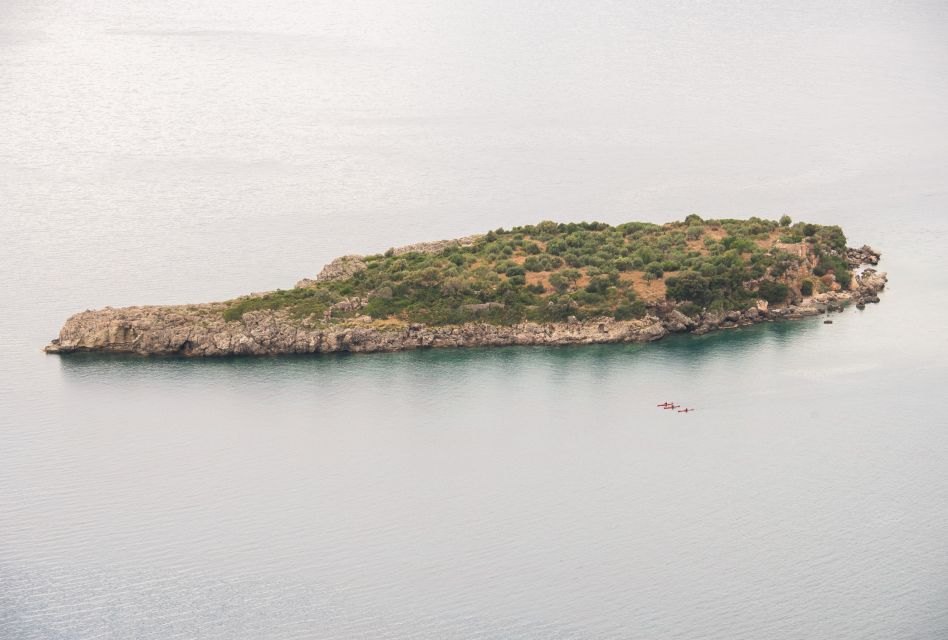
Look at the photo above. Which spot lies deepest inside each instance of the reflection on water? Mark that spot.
(683, 347)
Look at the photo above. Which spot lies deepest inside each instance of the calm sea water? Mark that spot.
(182, 152)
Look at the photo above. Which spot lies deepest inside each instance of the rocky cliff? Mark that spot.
(201, 330)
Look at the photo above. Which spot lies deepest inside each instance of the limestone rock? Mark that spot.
(871, 281)
(346, 305)
(437, 246)
(200, 330)
(341, 268)
(676, 321)
(863, 255)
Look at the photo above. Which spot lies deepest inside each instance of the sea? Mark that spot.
(182, 151)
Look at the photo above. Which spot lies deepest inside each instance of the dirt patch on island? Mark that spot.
(653, 291)
(539, 277)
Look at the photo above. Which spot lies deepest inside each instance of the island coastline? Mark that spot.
(207, 330)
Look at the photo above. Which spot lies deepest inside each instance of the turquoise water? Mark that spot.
(194, 153)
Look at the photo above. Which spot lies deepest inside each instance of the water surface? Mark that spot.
(185, 153)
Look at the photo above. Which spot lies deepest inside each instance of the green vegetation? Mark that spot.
(773, 292)
(301, 302)
(550, 271)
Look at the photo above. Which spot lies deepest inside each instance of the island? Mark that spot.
(544, 284)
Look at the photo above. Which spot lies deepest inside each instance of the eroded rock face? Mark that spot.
(339, 269)
(675, 322)
(200, 330)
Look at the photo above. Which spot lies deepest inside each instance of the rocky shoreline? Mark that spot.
(201, 330)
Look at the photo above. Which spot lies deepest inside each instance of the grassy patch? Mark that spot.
(299, 303)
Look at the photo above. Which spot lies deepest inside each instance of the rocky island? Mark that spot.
(543, 284)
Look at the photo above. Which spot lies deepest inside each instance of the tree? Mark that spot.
(630, 310)
(773, 292)
(559, 282)
(689, 285)
(785, 221)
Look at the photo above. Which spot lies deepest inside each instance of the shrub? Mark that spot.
(806, 287)
(837, 265)
(689, 309)
(559, 282)
(831, 236)
(654, 269)
(844, 277)
(599, 284)
(380, 308)
(624, 264)
(630, 310)
(689, 286)
(773, 292)
(542, 263)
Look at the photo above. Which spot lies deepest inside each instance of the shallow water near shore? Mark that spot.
(528, 492)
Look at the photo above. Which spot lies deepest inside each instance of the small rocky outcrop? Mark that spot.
(863, 255)
(436, 246)
(871, 281)
(339, 269)
(868, 285)
(676, 322)
(345, 306)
